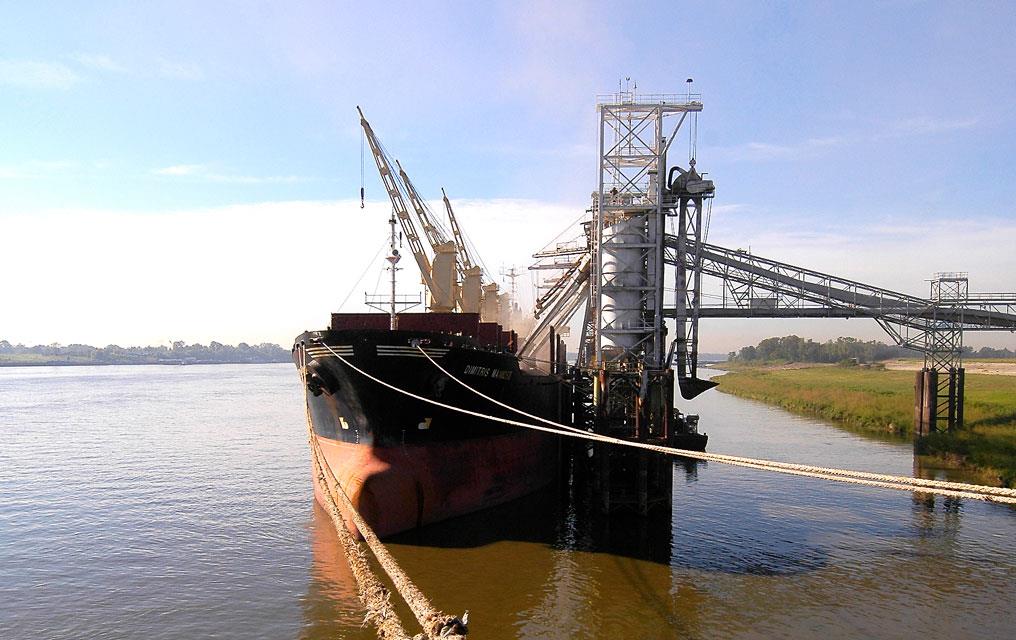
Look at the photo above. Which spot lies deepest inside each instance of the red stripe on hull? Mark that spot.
(399, 488)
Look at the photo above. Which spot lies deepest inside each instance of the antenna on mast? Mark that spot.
(512, 274)
(394, 302)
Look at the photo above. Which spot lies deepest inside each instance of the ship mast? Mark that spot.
(393, 259)
(394, 303)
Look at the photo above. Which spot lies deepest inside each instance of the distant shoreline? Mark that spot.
(10, 364)
(177, 354)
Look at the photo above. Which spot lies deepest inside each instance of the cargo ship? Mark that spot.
(372, 381)
(403, 462)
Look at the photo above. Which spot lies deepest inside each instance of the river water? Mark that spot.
(175, 502)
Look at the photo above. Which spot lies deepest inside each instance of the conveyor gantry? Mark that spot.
(615, 271)
(757, 287)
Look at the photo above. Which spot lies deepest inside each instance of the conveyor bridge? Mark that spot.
(758, 287)
(643, 257)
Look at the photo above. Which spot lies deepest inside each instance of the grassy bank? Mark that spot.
(883, 401)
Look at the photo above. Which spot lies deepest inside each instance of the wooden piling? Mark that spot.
(929, 404)
(952, 397)
(643, 483)
(603, 453)
(919, 425)
(960, 375)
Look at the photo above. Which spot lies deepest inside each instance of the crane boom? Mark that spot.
(435, 235)
(399, 204)
(464, 257)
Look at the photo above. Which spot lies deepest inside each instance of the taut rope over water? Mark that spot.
(903, 483)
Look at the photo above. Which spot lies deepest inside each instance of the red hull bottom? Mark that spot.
(399, 488)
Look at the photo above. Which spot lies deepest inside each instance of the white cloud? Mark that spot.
(546, 36)
(203, 172)
(727, 209)
(238, 273)
(99, 62)
(762, 151)
(36, 169)
(234, 179)
(37, 75)
(245, 272)
(926, 125)
(913, 126)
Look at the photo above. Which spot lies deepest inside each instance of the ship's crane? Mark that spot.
(435, 234)
(445, 265)
(441, 299)
(465, 260)
(471, 293)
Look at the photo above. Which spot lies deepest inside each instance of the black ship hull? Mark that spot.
(405, 462)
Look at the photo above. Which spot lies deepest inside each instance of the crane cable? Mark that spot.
(949, 489)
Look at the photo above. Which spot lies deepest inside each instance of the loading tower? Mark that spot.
(649, 216)
(637, 194)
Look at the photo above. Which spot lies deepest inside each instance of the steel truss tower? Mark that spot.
(633, 384)
(629, 213)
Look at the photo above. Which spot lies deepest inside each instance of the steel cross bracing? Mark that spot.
(628, 227)
(391, 183)
(764, 288)
(759, 287)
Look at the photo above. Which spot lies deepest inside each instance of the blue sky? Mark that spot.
(852, 137)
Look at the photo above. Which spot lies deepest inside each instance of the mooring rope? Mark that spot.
(373, 595)
(862, 475)
(435, 623)
(839, 475)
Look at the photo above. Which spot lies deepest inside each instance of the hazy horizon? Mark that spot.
(180, 171)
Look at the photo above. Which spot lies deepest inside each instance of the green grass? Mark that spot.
(881, 401)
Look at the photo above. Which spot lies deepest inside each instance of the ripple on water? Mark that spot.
(169, 502)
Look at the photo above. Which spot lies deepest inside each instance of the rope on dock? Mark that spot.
(373, 595)
(974, 492)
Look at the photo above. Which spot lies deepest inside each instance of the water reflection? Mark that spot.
(331, 607)
(140, 537)
(753, 555)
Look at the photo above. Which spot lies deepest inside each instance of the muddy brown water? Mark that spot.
(175, 502)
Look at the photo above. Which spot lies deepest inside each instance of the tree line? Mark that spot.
(176, 353)
(797, 349)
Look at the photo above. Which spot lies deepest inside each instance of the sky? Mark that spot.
(191, 170)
